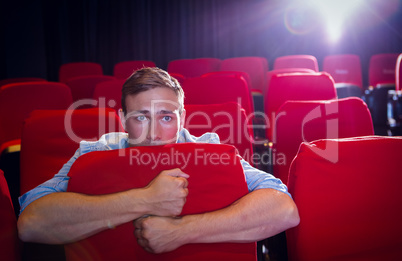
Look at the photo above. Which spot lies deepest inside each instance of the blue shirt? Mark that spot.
(256, 179)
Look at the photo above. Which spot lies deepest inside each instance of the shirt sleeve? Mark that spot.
(258, 179)
(56, 184)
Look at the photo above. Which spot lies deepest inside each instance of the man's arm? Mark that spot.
(64, 217)
(256, 216)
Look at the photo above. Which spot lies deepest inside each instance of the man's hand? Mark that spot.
(166, 194)
(158, 234)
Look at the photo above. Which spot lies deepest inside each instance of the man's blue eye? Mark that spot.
(167, 118)
(141, 118)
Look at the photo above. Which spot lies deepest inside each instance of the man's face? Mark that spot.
(153, 117)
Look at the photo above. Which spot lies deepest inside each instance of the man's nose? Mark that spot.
(154, 130)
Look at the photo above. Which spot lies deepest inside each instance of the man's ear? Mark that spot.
(122, 119)
(182, 119)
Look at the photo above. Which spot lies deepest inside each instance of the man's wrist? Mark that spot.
(187, 227)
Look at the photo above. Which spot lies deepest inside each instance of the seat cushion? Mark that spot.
(216, 181)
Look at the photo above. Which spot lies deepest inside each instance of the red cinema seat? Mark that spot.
(381, 80)
(281, 71)
(228, 120)
(346, 70)
(50, 138)
(83, 87)
(382, 70)
(76, 69)
(17, 100)
(108, 94)
(10, 245)
(245, 75)
(348, 195)
(179, 77)
(398, 73)
(134, 168)
(123, 70)
(297, 87)
(193, 67)
(305, 121)
(296, 61)
(218, 89)
(20, 79)
(255, 67)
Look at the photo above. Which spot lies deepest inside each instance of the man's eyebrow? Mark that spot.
(165, 112)
(148, 112)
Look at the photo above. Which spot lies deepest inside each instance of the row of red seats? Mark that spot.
(344, 68)
(214, 88)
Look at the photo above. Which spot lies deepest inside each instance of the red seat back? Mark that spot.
(281, 71)
(304, 121)
(228, 120)
(218, 89)
(245, 75)
(108, 94)
(296, 87)
(348, 195)
(50, 138)
(76, 69)
(10, 245)
(134, 168)
(123, 70)
(255, 67)
(83, 87)
(382, 69)
(17, 100)
(179, 77)
(296, 61)
(344, 68)
(20, 79)
(193, 67)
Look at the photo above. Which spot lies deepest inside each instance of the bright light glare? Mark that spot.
(335, 13)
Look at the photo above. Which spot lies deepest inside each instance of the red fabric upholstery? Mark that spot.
(71, 70)
(50, 138)
(228, 120)
(218, 89)
(123, 70)
(20, 79)
(245, 75)
(281, 71)
(398, 71)
(255, 67)
(108, 94)
(349, 206)
(10, 245)
(295, 86)
(344, 68)
(213, 184)
(179, 77)
(382, 69)
(304, 121)
(83, 87)
(193, 67)
(17, 100)
(296, 61)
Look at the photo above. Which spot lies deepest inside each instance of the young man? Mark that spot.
(153, 110)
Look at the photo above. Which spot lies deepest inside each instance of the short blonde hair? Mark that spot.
(148, 78)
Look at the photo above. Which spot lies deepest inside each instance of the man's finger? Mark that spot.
(177, 173)
(138, 222)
